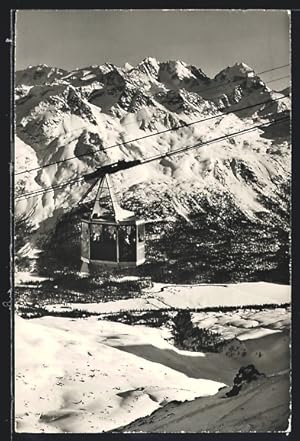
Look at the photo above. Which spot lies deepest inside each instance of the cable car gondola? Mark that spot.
(111, 236)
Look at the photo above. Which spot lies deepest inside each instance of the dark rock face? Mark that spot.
(245, 375)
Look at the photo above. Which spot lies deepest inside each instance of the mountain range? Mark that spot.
(102, 114)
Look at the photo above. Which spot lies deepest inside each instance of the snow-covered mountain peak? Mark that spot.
(151, 60)
(39, 74)
(148, 66)
(238, 70)
(176, 69)
(41, 66)
(243, 67)
(127, 66)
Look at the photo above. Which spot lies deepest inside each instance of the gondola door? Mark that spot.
(85, 240)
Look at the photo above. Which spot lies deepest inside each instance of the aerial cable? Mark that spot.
(204, 90)
(200, 144)
(153, 134)
(274, 68)
(134, 122)
(157, 157)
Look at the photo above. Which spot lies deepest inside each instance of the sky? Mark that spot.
(211, 40)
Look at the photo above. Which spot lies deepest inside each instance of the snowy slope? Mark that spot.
(75, 380)
(86, 375)
(262, 407)
(190, 296)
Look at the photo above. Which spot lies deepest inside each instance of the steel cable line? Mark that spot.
(50, 188)
(129, 123)
(245, 78)
(134, 122)
(274, 68)
(157, 157)
(152, 134)
(200, 144)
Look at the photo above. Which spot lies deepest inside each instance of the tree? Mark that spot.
(182, 326)
(189, 337)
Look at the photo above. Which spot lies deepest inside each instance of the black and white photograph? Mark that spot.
(152, 221)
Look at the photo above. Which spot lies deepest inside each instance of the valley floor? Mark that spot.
(91, 375)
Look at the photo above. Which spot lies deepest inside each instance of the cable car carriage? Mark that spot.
(111, 236)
